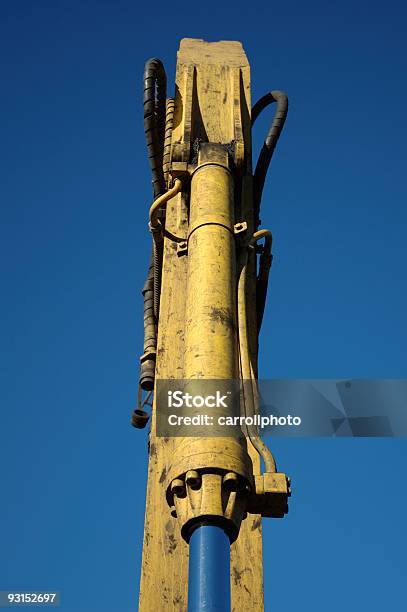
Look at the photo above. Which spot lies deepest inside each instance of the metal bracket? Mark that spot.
(240, 228)
(270, 497)
(182, 248)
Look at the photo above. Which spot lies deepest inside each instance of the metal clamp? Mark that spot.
(240, 228)
(182, 248)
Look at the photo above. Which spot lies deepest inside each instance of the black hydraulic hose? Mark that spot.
(155, 91)
(262, 285)
(150, 332)
(270, 142)
(154, 101)
(147, 367)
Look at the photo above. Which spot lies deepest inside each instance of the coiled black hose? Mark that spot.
(154, 101)
(147, 368)
(270, 142)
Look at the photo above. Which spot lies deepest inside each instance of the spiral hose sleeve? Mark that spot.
(147, 369)
(154, 99)
(169, 123)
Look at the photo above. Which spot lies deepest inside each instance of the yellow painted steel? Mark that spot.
(197, 333)
(211, 351)
(210, 324)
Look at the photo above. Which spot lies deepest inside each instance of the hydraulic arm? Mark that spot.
(204, 300)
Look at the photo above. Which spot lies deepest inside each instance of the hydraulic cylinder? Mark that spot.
(211, 353)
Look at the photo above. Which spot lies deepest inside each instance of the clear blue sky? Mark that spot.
(75, 187)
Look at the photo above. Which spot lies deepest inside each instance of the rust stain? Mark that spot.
(256, 524)
(237, 576)
(172, 543)
(224, 316)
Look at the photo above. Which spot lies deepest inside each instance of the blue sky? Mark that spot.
(75, 188)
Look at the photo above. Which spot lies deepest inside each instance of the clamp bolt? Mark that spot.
(178, 487)
(182, 248)
(239, 228)
(193, 479)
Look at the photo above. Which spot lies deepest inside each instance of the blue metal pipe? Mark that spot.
(209, 570)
